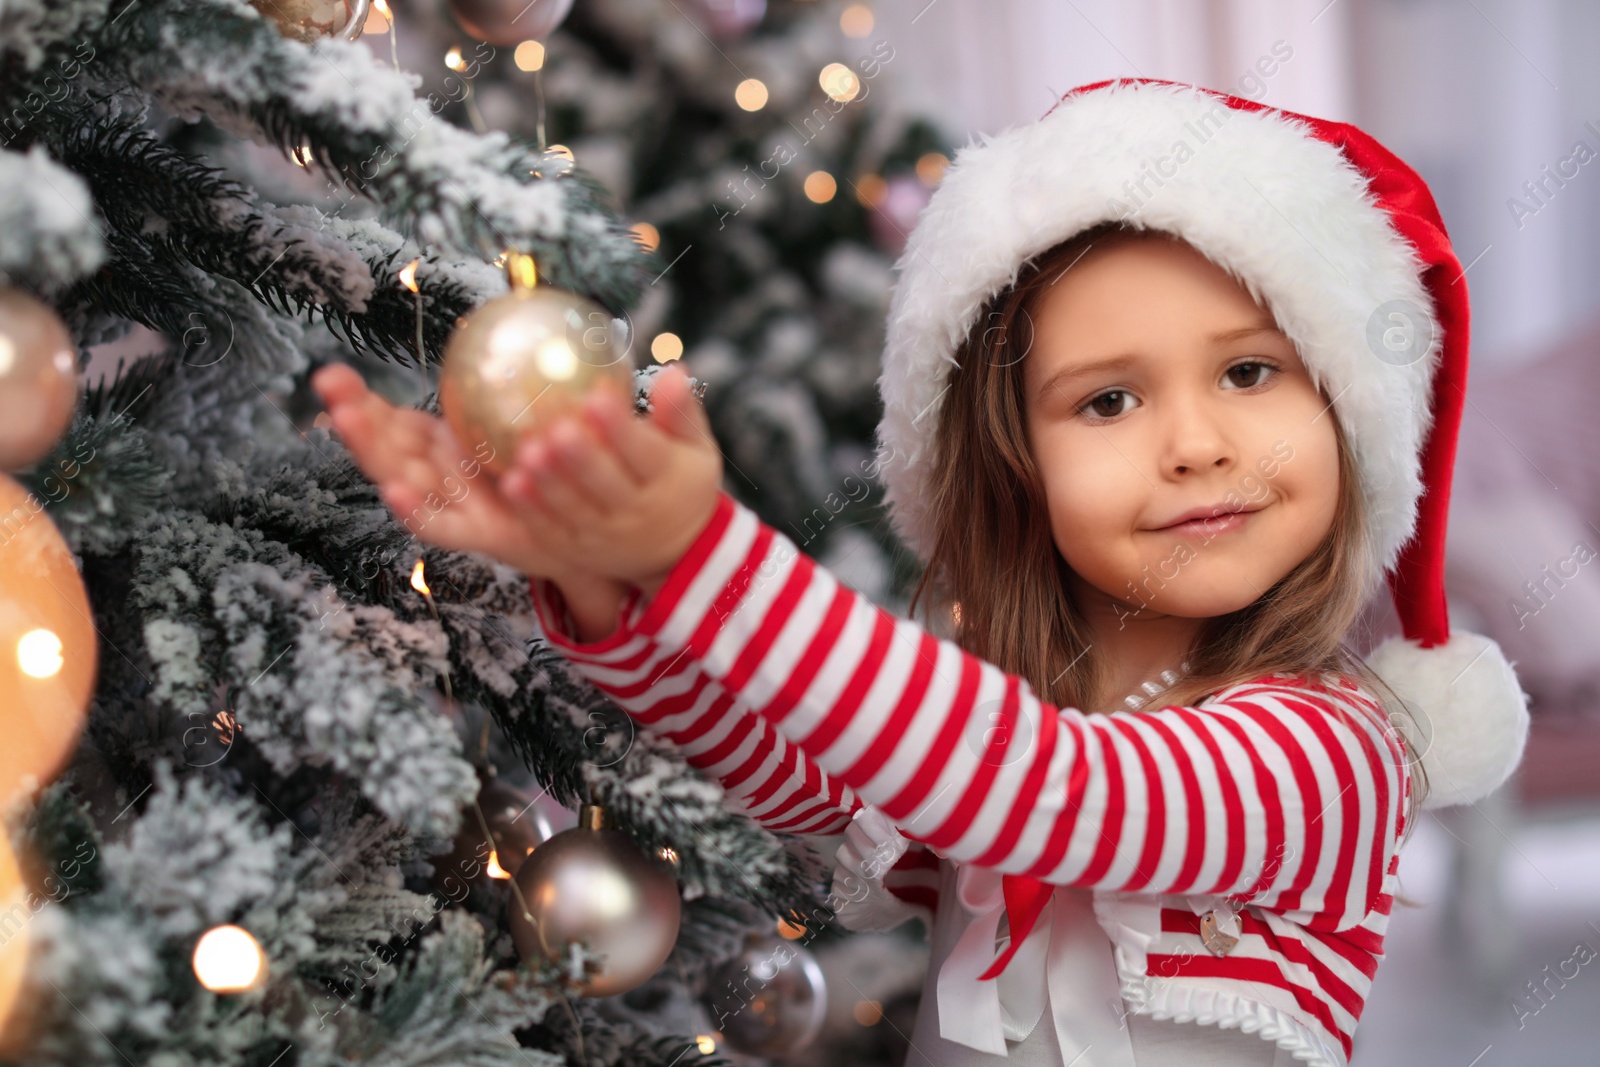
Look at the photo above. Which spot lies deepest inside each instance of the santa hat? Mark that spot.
(1323, 225)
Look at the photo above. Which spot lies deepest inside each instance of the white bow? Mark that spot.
(985, 1014)
(1065, 964)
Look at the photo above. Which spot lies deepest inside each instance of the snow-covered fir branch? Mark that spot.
(47, 217)
(362, 123)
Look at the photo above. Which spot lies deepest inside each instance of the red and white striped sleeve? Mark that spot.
(1276, 793)
(670, 694)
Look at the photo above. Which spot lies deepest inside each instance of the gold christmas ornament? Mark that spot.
(312, 20)
(38, 379)
(47, 643)
(508, 23)
(592, 884)
(520, 362)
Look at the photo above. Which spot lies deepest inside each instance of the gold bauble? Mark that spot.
(593, 884)
(47, 643)
(312, 20)
(38, 379)
(520, 362)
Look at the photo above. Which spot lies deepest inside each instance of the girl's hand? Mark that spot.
(441, 493)
(618, 495)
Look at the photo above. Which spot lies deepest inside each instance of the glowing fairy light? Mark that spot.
(227, 959)
(931, 167)
(820, 187)
(666, 347)
(418, 582)
(648, 236)
(39, 653)
(839, 82)
(452, 58)
(751, 94)
(529, 56)
(408, 275)
(494, 870)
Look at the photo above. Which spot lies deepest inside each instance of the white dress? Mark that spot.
(1082, 997)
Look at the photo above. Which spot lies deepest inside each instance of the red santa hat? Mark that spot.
(1321, 224)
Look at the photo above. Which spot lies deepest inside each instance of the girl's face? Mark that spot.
(1157, 389)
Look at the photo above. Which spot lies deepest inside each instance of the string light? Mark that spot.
(381, 8)
(871, 189)
(706, 1044)
(494, 870)
(668, 853)
(820, 187)
(39, 654)
(648, 236)
(930, 168)
(452, 58)
(228, 959)
(751, 94)
(666, 347)
(856, 20)
(408, 278)
(419, 582)
(529, 56)
(839, 82)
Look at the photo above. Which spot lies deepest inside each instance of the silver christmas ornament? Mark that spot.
(769, 1000)
(510, 22)
(592, 884)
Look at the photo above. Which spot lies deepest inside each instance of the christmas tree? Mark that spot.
(302, 729)
(765, 158)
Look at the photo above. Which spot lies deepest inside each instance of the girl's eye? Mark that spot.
(1108, 405)
(1258, 371)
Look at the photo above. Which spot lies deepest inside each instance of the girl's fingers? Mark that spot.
(594, 468)
(337, 383)
(638, 450)
(675, 410)
(521, 494)
(557, 488)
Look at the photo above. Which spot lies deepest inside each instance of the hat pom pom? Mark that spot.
(1471, 712)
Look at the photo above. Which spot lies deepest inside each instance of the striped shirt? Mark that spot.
(805, 699)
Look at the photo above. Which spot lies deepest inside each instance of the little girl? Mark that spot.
(1172, 382)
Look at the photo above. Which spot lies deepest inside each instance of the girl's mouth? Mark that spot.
(1210, 526)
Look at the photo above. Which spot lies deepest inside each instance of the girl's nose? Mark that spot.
(1195, 438)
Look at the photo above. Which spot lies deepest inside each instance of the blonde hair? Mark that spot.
(995, 573)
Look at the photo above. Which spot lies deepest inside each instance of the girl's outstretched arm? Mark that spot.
(771, 780)
(1279, 794)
